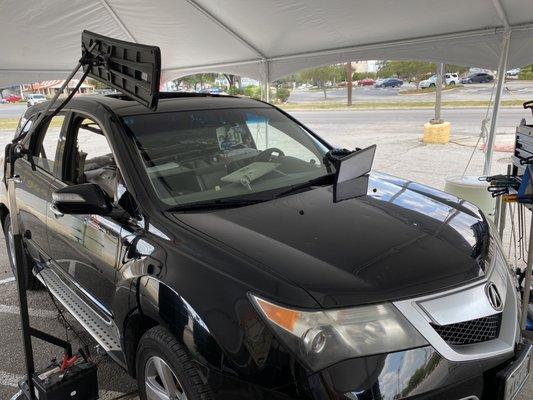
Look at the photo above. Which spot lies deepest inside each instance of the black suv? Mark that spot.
(201, 245)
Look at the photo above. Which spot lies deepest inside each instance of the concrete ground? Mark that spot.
(400, 152)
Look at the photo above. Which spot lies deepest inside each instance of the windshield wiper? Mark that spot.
(321, 180)
(215, 204)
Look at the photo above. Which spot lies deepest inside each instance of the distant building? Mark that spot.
(365, 66)
(249, 82)
(50, 88)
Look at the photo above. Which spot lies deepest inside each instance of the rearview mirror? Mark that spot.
(85, 198)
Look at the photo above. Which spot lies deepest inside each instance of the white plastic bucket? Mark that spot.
(471, 189)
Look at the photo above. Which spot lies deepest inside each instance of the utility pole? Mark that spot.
(438, 94)
(349, 82)
(437, 130)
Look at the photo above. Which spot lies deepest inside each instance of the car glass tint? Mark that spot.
(46, 150)
(207, 155)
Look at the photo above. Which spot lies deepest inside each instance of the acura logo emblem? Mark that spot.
(494, 297)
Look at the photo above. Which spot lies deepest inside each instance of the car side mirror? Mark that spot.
(85, 198)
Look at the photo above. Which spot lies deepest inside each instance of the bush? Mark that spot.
(526, 75)
(234, 91)
(252, 91)
(282, 94)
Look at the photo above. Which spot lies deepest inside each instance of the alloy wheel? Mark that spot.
(160, 382)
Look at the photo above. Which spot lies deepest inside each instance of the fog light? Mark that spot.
(314, 340)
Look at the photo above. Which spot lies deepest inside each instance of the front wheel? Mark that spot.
(32, 282)
(165, 370)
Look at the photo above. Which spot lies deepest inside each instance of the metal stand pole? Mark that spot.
(527, 281)
(21, 278)
(503, 208)
(502, 67)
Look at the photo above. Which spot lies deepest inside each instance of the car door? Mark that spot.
(37, 174)
(85, 247)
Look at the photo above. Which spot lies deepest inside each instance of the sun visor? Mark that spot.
(133, 69)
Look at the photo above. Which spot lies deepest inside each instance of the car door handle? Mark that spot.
(55, 211)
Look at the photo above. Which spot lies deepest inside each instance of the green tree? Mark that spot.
(197, 81)
(413, 71)
(526, 73)
(320, 76)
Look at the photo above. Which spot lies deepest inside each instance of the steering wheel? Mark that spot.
(266, 155)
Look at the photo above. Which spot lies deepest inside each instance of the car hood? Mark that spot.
(400, 240)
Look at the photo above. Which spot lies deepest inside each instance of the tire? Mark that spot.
(32, 283)
(451, 83)
(159, 350)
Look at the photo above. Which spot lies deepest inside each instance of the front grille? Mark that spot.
(468, 332)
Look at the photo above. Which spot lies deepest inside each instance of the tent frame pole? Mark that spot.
(266, 81)
(502, 68)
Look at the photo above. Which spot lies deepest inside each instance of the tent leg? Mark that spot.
(266, 82)
(502, 67)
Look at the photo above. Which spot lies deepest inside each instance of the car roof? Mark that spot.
(168, 102)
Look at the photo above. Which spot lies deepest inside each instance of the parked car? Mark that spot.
(478, 77)
(211, 260)
(13, 98)
(513, 72)
(36, 98)
(389, 82)
(448, 79)
(366, 82)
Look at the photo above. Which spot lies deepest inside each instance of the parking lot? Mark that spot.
(400, 152)
(514, 90)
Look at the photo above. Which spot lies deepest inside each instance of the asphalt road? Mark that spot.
(113, 381)
(464, 121)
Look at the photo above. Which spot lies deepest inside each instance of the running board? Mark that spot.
(103, 332)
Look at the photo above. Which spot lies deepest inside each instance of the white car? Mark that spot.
(449, 79)
(33, 99)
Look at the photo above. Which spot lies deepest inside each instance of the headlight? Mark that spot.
(322, 338)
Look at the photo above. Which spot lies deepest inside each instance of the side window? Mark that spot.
(93, 158)
(25, 125)
(46, 151)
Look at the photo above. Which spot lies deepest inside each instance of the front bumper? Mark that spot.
(419, 373)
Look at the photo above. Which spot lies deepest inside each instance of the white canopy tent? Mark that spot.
(267, 39)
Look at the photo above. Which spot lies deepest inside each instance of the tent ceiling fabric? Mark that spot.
(41, 40)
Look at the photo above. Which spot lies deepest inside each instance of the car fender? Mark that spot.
(165, 306)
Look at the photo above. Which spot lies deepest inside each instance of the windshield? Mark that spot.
(211, 155)
(38, 96)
